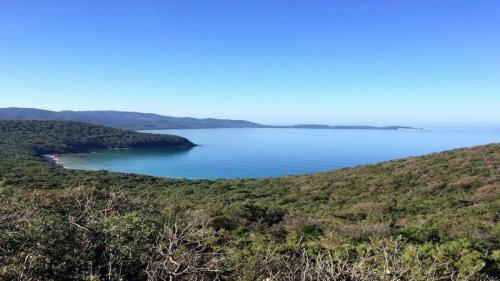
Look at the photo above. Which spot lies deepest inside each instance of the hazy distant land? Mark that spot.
(150, 121)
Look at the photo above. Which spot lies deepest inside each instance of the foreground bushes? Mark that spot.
(86, 234)
(386, 259)
(90, 234)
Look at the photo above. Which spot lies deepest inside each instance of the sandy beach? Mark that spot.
(53, 158)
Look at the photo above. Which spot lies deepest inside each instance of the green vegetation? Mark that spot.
(434, 217)
(65, 137)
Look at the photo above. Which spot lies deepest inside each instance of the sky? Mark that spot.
(375, 62)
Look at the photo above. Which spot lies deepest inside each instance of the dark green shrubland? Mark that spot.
(426, 218)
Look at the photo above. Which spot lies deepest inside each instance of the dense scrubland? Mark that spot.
(434, 217)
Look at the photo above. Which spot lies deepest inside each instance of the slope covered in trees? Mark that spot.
(433, 217)
(65, 137)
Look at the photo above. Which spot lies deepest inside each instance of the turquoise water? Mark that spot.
(253, 153)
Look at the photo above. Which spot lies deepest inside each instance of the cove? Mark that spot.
(256, 153)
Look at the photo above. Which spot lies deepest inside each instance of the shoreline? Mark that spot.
(54, 159)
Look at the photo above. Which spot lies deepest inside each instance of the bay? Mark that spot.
(255, 153)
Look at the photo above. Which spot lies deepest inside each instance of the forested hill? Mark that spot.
(434, 217)
(124, 120)
(148, 121)
(66, 136)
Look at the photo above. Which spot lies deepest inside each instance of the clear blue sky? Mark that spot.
(424, 63)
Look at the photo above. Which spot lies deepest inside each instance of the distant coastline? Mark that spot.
(354, 127)
(148, 121)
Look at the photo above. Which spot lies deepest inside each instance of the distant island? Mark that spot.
(150, 121)
(316, 126)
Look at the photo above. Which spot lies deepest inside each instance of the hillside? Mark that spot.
(434, 217)
(124, 120)
(44, 137)
(148, 121)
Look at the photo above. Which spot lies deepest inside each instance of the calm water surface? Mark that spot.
(253, 153)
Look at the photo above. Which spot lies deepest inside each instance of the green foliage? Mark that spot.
(435, 215)
(63, 137)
